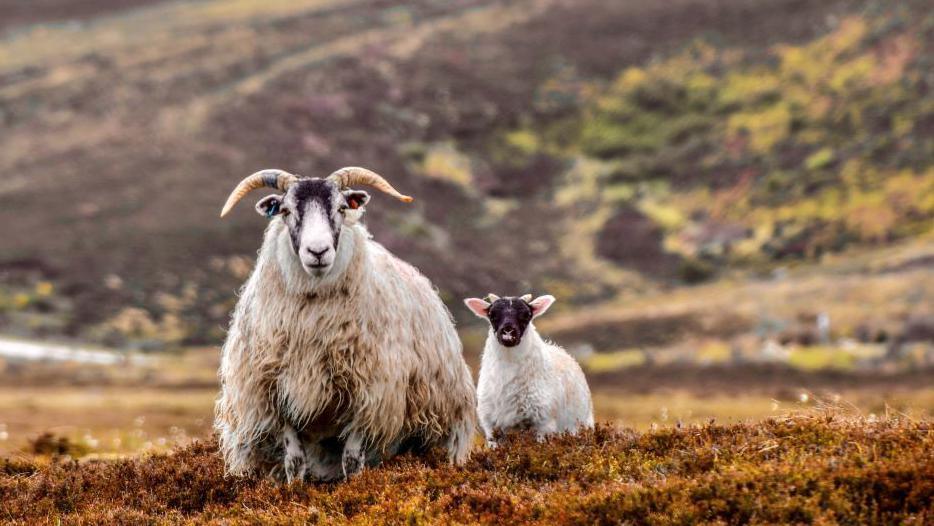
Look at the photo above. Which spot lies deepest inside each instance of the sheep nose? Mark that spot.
(318, 253)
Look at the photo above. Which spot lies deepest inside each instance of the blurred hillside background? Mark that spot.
(732, 200)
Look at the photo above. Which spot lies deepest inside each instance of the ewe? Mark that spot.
(339, 354)
(526, 382)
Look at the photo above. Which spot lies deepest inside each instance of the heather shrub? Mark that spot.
(815, 468)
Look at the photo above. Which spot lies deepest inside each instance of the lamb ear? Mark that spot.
(478, 306)
(541, 304)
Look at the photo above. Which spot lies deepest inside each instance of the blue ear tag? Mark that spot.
(272, 210)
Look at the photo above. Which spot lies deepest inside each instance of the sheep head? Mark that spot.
(313, 209)
(509, 316)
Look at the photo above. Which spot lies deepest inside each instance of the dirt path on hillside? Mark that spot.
(17, 15)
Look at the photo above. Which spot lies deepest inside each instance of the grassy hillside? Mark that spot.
(720, 156)
(802, 469)
(122, 133)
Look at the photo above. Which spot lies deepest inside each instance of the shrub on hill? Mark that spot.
(739, 155)
(817, 468)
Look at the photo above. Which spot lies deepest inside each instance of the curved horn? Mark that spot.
(352, 175)
(526, 298)
(278, 179)
(491, 298)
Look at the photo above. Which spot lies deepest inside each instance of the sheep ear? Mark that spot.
(541, 304)
(478, 306)
(356, 198)
(269, 206)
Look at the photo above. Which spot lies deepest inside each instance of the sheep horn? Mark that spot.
(351, 175)
(278, 179)
(527, 298)
(491, 298)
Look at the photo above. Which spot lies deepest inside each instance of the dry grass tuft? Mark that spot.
(812, 468)
(52, 445)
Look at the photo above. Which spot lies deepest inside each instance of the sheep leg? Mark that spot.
(542, 430)
(354, 458)
(239, 456)
(324, 463)
(460, 440)
(489, 433)
(295, 462)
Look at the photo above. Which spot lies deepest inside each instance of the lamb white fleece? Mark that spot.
(534, 385)
(367, 354)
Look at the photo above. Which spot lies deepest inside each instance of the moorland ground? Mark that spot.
(822, 468)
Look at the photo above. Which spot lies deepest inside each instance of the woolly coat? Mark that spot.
(535, 385)
(368, 349)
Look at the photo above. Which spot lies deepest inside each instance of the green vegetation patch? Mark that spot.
(742, 155)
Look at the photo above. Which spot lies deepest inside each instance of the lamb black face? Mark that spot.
(509, 318)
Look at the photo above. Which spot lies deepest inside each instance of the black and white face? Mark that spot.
(509, 317)
(314, 210)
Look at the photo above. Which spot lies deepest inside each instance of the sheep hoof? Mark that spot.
(353, 458)
(295, 462)
(352, 463)
(294, 469)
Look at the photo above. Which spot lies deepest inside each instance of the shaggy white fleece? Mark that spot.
(349, 367)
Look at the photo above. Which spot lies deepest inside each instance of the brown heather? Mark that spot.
(802, 469)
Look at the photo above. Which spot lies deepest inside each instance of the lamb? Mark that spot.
(526, 382)
(338, 354)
